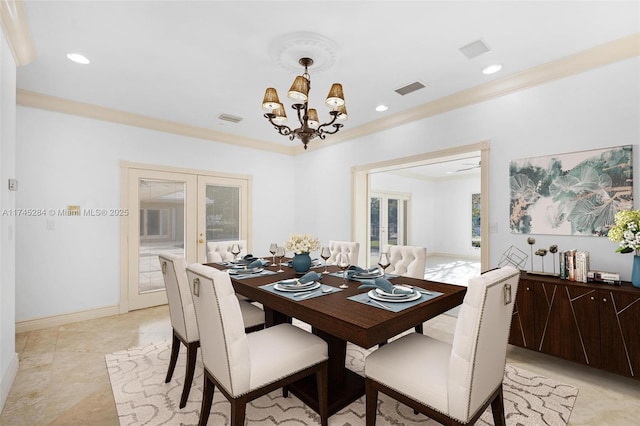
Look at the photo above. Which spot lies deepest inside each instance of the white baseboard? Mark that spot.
(8, 378)
(58, 320)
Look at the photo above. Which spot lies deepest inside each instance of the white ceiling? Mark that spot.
(189, 61)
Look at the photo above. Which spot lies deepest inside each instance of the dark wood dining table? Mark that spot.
(339, 320)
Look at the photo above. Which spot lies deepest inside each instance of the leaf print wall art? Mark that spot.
(571, 194)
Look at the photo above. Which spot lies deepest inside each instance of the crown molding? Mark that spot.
(605, 54)
(13, 20)
(66, 106)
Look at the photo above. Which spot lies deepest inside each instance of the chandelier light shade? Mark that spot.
(270, 101)
(280, 114)
(299, 89)
(342, 109)
(310, 126)
(313, 119)
(335, 98)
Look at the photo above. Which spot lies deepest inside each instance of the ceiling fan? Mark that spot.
(473, 166)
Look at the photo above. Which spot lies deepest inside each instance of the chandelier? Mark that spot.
(310, 127)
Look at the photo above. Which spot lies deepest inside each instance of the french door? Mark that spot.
(175, 212)
(389, 222)
(221, 203)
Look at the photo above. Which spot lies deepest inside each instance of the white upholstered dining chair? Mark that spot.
(220, 251)
(452, 384)
(349, 247)
(183, 317)
(245, 366)
(407, 261)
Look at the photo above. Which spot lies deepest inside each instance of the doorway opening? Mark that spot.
(461, 162)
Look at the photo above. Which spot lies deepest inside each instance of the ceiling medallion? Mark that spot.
(289, 48)
(310, 127)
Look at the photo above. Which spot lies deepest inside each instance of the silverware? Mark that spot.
(303, 293)
(418, 289)
(313, 293)
(380, 304)
(316, 291)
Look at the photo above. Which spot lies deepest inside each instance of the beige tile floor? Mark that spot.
(63, 378)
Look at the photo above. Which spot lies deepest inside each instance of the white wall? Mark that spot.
(452, 227)
(66, 160)
(8, 356)
(595, 109)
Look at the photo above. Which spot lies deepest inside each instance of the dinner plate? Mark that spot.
(367, 275)
(294, 283)
(245, 271)
(383, 293)
(313, 286)
(376, 296)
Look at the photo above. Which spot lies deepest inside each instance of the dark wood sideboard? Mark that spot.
(589, 323)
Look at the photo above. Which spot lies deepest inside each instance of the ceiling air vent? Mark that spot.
(230, 118)
(411, 87)
(475, 49)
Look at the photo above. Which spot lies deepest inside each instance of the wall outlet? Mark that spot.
(13, 184)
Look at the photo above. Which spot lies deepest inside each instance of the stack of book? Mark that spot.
(574, 265)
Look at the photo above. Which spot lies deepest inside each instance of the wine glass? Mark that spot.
(342, 260)
(325, 254)
(383, 262)
(280, 254)
(235, 250)
(272, 250)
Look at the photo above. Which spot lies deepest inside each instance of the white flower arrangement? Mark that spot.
(626, 231)
(302, 243)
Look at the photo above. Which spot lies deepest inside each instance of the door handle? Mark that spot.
(201, 241)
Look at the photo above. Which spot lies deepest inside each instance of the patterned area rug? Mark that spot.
(142, 398)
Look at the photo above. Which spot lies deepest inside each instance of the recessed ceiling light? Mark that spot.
(78, 58)
(381, 108)
(491, 69)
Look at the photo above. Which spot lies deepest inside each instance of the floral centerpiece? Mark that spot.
(301, 245)
(626, 231)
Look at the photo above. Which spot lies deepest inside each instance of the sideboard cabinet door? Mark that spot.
(620, 334)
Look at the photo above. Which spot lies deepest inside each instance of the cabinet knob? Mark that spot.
(528, 289)
(604, 299)
(593, 298)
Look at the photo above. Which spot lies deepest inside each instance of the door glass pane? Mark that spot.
(475, 220)
(162, 214)
(392, 215)
(223, 213)
(374, 232)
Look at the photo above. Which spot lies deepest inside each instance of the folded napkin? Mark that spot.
(255, 264)
(305, 279)
(309, 277)
(354, 270)
(384, 285)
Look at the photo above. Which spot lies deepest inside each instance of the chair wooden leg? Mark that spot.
(371, 402)
(192, 351)
(207, 399)
(238, 407)
(175, 348)
(419, 329)
(497, 409)
(285, 392)
(322, 380)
